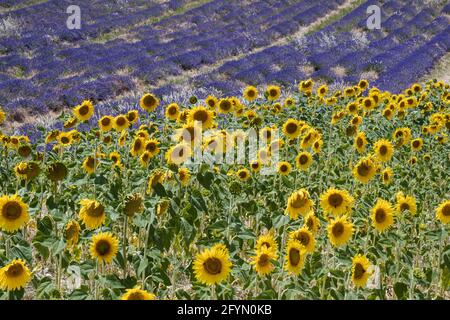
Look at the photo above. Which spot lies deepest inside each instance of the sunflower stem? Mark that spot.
(124, 246)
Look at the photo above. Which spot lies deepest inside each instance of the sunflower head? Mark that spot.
(201, 115)
(384, 150)
(299, 203)
(133, 204)
(72, 233)
(172, 111)
(340, 230)
(148, 102)
(14, 276)
(57, 171)
(304, 160)
(336, 202)
(443, 212)
(137, 294)
(262, 261)
(305, 237)
(13, 213)
(104, 247)
(84, 111)
(243, 174)
(382, 215)
(212, 265)
(92, 213)
(284, 168)
(250, 93)
(295, 257)
(273, 92)
(360, 270)
(365, 170)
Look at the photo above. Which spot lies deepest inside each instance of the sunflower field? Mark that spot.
(356, 204)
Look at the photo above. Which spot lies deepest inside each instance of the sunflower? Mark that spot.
(317, 145)
(340, 230)
(267, 133)
(70, 123)
(115, 158)
(382, 215)
(267, 240)
(144, 159)
(383, 150)
(203, 115)
(178, 154)
(291, 128)
(137, 294)
(225, 106)
(273, 92)
(14, 276)
(262, 261)
(360, 270)
(184, 175)
(402, 136)
(443, 212)
(212, 265)
(312, 223)
(27, 170)
(148, 102)
(295, 257)
(90, 164)
(104, 247)
(405, 203)
(92, 213)
(360, 142)
(172, 111)
(156, 178)
(105, 123)
(416, 144)
(289, 102)
(322, 91)
(336, 202)
(250, 93)
(365, 170)
(13, 213)
(132, 116)
(255, 165)
(84, 111)
(72, 233)
(386, 176)
(305, 237)
(363, 84)
(306, 86)
(299, 203)
(65, 139)
(284, 168)
(138, 147)
(303, 160)
(121, 123)
(152, 146)
(211, 102)
(243, 174)
(57, 171)
(52, 136)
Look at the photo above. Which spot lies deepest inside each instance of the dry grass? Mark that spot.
(441, 70)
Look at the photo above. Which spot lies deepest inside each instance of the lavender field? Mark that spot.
(224, 149)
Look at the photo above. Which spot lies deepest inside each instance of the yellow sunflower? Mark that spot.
(291, 128)
(262, 261)
(305, 237)
(203, 115)
(132, 116)
(295, 257)
(317, 145)
(225, 106)
(92, 213)
(405, 203)
(152, 146)
(255, 165)
(387, 176)
(382, 215)
(303, 160)
(212, 265)
(267, 240)
(243, 174)
(137, 294)
(184, 175)
(211, 102)
(365, 170)
(284, 168)
(299, 203)
(312, 223)
(138, 147)
(72, 233)
(250, 93)
(273, 92)
(336, 202)
(90, 164)
(172, 111)
(2, 116)
(65, 139)
(104, 247)
(178, 154)
(148, 102)
(383, 150)
(340, 230)
(416, 144)
(13, 213)
(105, 123)
(360, 270)
(360, 142)
(443, 212)
(14, 276)
(84, 111)
(121, 123)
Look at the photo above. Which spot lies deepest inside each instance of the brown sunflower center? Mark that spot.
(310, 223)
(283, 168)
(446, 210)
(294, 256)
(335, 200)
(338, 229)
(201, 115)
(359, 142)
(121, 121)
(106, 122)
(273, 92)
(404, 206)
(380, 215)
(137, 145)
(416, 144)
(65, 140)
(84, 110)
(242, 174)
(225, 105)
(213, 266)
(359, 271)
(172, 110)
(263, 260)
(137, 295)
(363, 170)
(299, 202)
(11, 210)
(103, 247)
(71, 232)
(151, 146)
(303, 159)
(303, 238)
(16, 270)
(95, 210)
(251, 93)
(383, 150)
(291, 127)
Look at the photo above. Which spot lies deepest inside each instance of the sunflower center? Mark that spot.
(172, 110)
(359, 142)
(149, 101)
(106, 122)
(263, 260)
(95, 210)
(359, 271)
(251, 93)
(303, 237)
(201, 115)
(383, 150)
(71, 232)
(213, 266)
(242, 174)
(363, 169)
(137, 145)
(151, 146)
(303, 159)
(416, 144)
(386, 176)
(380, 215)
(14, 271)
(367, 103)
(103, 247)
(255, 165)
(338, 229)
(225, 105)
(294, 256)
(65, 140)
(310, 224)
(273, 92)
(291, 127)
(446, 210)
(299, 202)
(335, 200)
(12, 211)
(404, 206)
(84, 110)
(120, 121)
(283, 168)
(136, 296)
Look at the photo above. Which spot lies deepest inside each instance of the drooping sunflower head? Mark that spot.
(90, 164)
(305, 237)
(57, 171)
(184, 175)
(303, 160)
(72, 232)
(360, 270)
(336, 202)
(149, 102)
(340, 230)
(133, 204)
(443, 212)
(250, 93)
(384, 150)
(295, 257)
(212, 265)
(84, 111)
(104, 247)
(312, 223)
(13, 213)
(156, 178)
(382, 215)
(273, 92)
(92, 213)
(299, 203)
(14, 276)
(137, 294)
(360, 142)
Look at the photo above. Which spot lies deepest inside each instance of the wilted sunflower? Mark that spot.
(443, 212)
(105, 123)
(405, 203)
(203, 115)
(360, 270)
(225, 106)
(90, 164)
(121, 123)
(84, 111)
(250, 93)
(148, 102)
(70, 123)
(262, 261)
(212, 265)
(295, 257)
(386, 176)
(137, 294)
(383, 150)
(273, 92)
(156, 178)
(299, 203)
(184, 176)
(312, 223)
(291, 128)
(162, 207)
(133, 204)
(13, 213)
(92, 213)
(27, 170)
(284, 168)
(14, 276)
(172, 111)
(52, 136)
(178, 154)
(24, 150)
(336, 202)
(56, 171)
(305, 237)
(243, 174)
(382, 215)
(340, 230)
(104, 247)
(72, 233)
(360, 142)
(365, 170)
(416, 144)
(303, 160)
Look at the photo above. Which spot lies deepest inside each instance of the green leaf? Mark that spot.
(401, 290)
